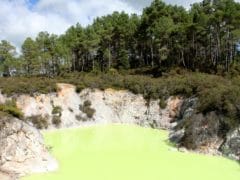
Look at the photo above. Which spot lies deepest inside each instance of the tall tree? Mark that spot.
(7, 59)
(30, 53)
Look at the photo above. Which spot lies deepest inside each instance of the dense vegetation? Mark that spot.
(215, 93)
(205, 38)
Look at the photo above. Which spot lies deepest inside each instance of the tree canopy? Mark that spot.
(205, 38)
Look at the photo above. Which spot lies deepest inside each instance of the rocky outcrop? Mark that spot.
(203, 132)
(8, 176)
(186, 111)
(22, 150)
(231, 147)
(110, 106)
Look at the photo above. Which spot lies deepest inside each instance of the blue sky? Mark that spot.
(26, 18)
(32, 3)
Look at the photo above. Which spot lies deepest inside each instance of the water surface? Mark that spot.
(121, 152)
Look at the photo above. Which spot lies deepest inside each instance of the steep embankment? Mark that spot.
(189, 128)
(66, 108)
(24, 150)
(196, 131)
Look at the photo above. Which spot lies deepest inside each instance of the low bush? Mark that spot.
(201, 130)
(80, 118)
(56, 120)
(86, 108)
(57, 113)
(215, 93)
(162, 104)
(24, 85)
(39, 121)
(10, 108)
(89, 112)
(79, 88)
(57, 110)
(87, 103)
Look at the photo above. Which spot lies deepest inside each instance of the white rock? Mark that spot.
(111, 106)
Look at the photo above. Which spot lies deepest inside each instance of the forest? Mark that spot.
(205, 38)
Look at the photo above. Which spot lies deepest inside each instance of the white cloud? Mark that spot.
(186, 4)
(139, 4)
(83, 11)
(143, 3)
(18, 21)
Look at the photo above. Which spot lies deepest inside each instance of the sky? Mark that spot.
(20, 19)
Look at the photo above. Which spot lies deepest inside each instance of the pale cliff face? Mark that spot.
(22, 150)
(111, 106)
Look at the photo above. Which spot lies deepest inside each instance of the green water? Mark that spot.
(119, 152)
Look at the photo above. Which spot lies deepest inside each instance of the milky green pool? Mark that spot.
(120, 152)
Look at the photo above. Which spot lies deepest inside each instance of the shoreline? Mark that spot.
(215, 153)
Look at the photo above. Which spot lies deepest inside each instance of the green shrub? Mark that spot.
(56, 120)
(200, 130)
(39, 121)
(79, 88)
(113, 71)
(162, 104)
(80, 118)
(24, 85)
(57, 113)
(10, 108)
(215, 93)
(90, 112)
(57, 110)
(87, 103)
(86, 108)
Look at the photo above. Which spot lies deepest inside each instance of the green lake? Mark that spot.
(122, 152)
